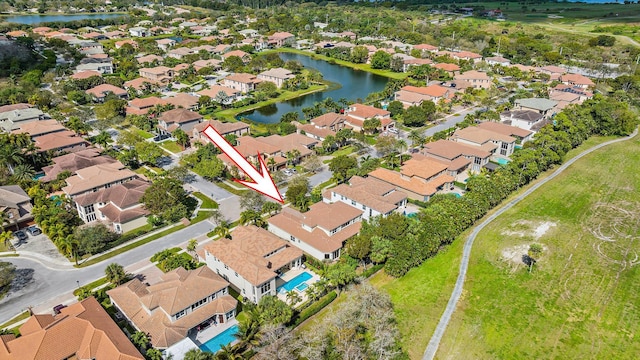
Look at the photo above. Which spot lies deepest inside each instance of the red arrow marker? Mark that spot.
(262, 181)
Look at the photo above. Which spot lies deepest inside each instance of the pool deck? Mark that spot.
(292, 274)
(212, 331)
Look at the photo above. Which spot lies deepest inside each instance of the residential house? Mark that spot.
(139, 31)
(320, 232)
(41, 30)
(141, 106)
(103, 66)
(277, 76)
(74, 161)
(252, 260)
(237, 128)
(17, 33)
(280, 39)
(553, 71)
(141, 84)
(412, 95)
(419, 178)
(213, 64)
(477, 79)
(372, 196)
(85, 74)
(180, 52)
(582, 93)
(39, 128)
(149, 59)
(493, 142)
(426, 48)
(521, 135)
(230, 95)
(117, 34)
(165, 44)
(96, 177)
(181, 304)
(577, 80)
(322, 126)
(242, 82)
(457, 154)
(179, 118)
(83, 330)
(523, 119)
(452, 69)
(121, 43)
(356, 114)
(118, 206)
(544, 107)
(467, 55)
(497, 60)
(249, 33)
(18, 116)
(245, 57)
(15, 205)
(348, 34)
(183, 100)
(59, 141)
(100, 92)
(162, 74)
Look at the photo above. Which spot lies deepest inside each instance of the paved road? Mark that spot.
(432, 347)
(51, 282)
(450, 121)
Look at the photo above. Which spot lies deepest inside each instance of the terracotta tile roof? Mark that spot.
(280, 73)
(179, 116)
(321, 218)
(447, 67)
(86, 74)
(213, 91)
(243, 78)
(480, 135)
(552, 69)
(158, 70)
(281, 35)
(75, 161)
(213, 63)
(122, 195)
(83, 330)
(366, 111)
(222, 127)
(183, 100)
(371, 192)
(576, 79)
(239, 53)
(505, 129)
(146, 102)
(425, 47)
(101, 91)
(564, 96)
(58, 140)
(451, 150)
(473, 75)
(525, 115)
(140, 83)
(328, 119)
(247, 253)
(12, 196)
(290, 142)
(37, 128)
(250, 146)
(149, 306)
(19, 106)
(524, 68)
(431, 90)
(97, 176)
(316, 131)
(149, 58)
(413, 184)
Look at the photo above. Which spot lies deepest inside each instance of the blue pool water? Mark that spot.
(411, 215)
(293, 283)
(222, 339)
(502, 161)
(302, 287)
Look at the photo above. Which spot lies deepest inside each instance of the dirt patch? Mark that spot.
(515, 254)
(526, 228)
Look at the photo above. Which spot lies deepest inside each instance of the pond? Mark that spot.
(36, 19)
(349, 83)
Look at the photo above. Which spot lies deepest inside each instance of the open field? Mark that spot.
(421, 295)
(581, 300)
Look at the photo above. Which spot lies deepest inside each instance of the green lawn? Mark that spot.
(344, 151)
(581, 300)
(421, 295)
(142, 133)
(207, 203)
(363, 67)
(19, 317)
(171, 146)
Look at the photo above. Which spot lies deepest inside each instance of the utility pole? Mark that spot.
(499, 42)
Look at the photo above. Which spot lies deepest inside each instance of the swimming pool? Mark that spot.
(502, 161)
(411, 215)
(302, 287)
(224, 338)
(293, 283)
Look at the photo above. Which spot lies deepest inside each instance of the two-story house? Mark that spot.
(414, 96)
(242, 82)
(100, 92)
(251, 260)
(322, 126)
(372, 196)
(182, 303)
(356, 114)
(496, 143)
(477, 79)
(320, 232)
(161, 74)
(521, 135)
(237, 128)
(280, 39)
(544, 107)
(452, 152)
(96, 177)
(179, 118)
(277, 76)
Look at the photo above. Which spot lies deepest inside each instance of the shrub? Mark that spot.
(314, 308)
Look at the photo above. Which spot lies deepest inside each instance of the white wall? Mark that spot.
(366, 215)
(308, 249)
(245, 287)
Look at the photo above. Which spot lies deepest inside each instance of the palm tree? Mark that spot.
(103, 139)
(401, 145)
(222, 230)
(249, 328)
(191, 247)
(227, 352)
(140, 339)
(68, 245)
(417, 138)
(271, 163)
(5, 238)
(115, 274)
(23, 173)
(251, 216)
(10, 156)
(293, 297)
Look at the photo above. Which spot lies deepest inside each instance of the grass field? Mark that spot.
(581, 300)
(171, 146)
(207, 203)
(421, 295)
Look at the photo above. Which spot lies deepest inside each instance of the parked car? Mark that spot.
(21, 235)
(393, 130)
(34, 230)
(57, 308)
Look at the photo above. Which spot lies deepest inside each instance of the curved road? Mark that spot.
(432, 347)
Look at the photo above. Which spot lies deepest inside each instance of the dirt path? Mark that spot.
(434, 343)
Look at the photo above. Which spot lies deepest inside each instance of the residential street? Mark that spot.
(51, 285)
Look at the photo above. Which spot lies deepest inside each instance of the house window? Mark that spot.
(477, 161)
(229, 315)
(89, 209)
(91, 217)
(198, 304)
(181, 313)
(265, 287)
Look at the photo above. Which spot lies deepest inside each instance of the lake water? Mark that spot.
(353, 84)
(36, 19)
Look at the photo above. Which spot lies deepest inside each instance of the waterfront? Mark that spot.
(37, 19)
